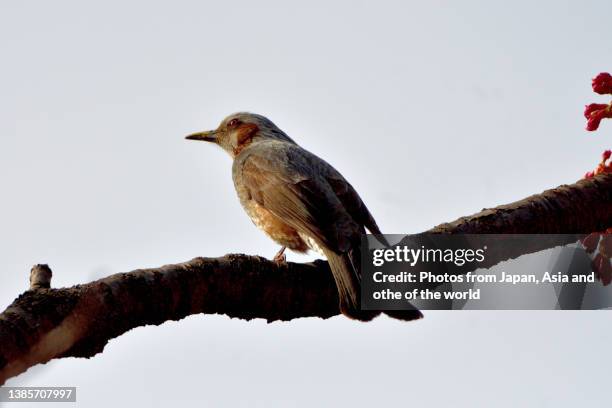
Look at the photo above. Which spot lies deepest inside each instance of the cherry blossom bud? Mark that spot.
(605, 246)
(589, 109)
(602, 83)
(594, 113)
(593, 122)
(590, 242)
(606, 155)
(602, 268)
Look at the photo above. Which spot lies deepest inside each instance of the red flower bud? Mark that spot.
(602, 83)
(602, 268)
(589, 174)
(594, 113)
(589, 109)
(590, 242)
(606, 155)
(593, 123)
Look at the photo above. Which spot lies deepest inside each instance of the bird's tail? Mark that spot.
(346, 269)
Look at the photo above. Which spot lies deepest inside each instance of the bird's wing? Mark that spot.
(352, 202)
(288, 181)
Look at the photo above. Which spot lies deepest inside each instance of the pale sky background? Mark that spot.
(432, 110)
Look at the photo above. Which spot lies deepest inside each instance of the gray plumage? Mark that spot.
(310, 196)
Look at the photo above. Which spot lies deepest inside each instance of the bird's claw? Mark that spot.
(280, 258)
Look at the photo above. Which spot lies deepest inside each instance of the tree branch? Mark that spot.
(45, 323)
(579, 208)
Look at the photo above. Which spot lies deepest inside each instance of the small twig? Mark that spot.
(40, 277)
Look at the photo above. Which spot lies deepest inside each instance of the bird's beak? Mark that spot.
(207, 136)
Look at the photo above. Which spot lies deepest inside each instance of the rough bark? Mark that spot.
(45, 323)
(583, 207)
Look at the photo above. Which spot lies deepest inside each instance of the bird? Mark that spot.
(300, 201)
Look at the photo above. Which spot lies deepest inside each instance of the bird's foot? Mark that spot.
(280, 258)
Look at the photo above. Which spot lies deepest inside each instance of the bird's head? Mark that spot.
(239, 130)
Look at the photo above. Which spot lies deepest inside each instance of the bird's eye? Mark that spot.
(233, 123)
